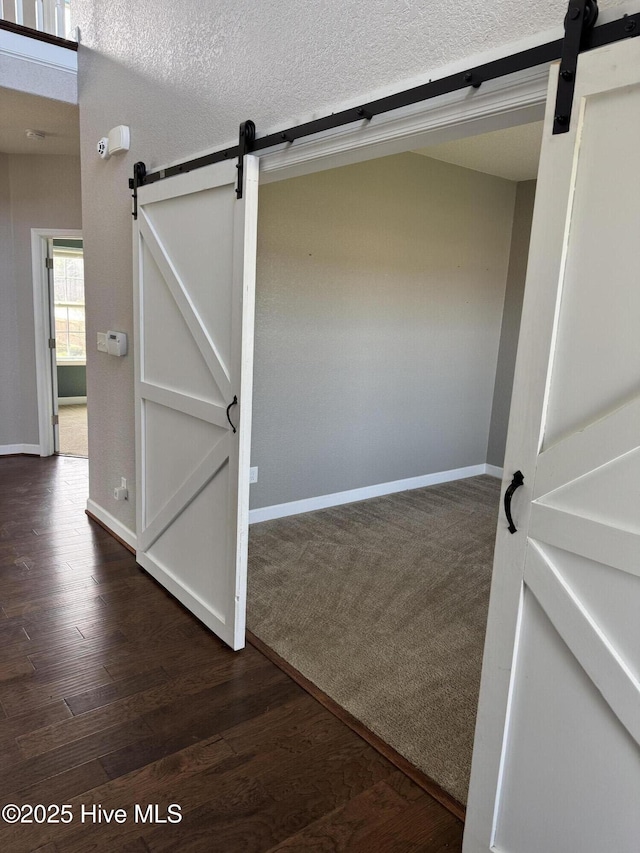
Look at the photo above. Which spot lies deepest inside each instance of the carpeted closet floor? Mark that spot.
(72, 430)
(383, 605)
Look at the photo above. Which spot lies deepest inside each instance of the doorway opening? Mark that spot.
(69, 368)
(388, 302)
(57, 264)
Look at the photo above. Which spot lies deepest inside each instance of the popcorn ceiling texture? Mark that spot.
(183, 75)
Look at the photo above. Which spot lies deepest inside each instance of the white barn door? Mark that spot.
(194, 270)
(556, 763)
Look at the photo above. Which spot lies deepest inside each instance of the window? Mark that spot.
(68, 288)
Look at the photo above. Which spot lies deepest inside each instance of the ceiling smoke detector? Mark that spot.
(35, 134)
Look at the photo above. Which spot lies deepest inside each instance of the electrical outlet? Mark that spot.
(121, 493)
(102, 342)
(253, 475)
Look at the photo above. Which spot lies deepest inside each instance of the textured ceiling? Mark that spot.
(58, 120)
(512, 153)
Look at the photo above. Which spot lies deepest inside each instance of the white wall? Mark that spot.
(379, 299)
(43, 192)
(184, 75)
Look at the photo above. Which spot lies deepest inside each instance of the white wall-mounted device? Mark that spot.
(115, 142)
(121, 492)
(116, 343)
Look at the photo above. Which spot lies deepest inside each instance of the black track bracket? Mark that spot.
(139, 173)
(245, 145)
(581, 35)
(579, 21)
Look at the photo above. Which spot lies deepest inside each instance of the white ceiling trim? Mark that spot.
(505, 102)
(38, 52)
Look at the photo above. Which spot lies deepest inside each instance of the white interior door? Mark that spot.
(556, 763)
(194, 260)
(53, 359)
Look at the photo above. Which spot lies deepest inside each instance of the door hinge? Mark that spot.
(54, 420)
(52, 343)
(48, 263)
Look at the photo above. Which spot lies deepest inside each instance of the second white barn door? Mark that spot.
(194, 259)
(556, 763)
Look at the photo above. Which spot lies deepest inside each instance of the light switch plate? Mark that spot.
(102, 342)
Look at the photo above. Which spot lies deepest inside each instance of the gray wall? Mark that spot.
(183, 75)
(72, 380)
(380, 291)
(10, 431)
(44, 192)
(522, 217)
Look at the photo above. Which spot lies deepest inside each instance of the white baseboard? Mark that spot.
(494, 471)
(112, 524)
(13, 449)
(72, 401)
(267, 513)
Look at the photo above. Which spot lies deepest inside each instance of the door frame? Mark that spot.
(502, 103)
(506, 102)
(42, 331)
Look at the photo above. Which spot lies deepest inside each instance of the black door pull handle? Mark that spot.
(518, 480)
(234, 402)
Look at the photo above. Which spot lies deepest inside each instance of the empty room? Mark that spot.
(388, 299)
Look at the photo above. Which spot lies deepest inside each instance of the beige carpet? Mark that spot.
(72, 430)
(383, 604)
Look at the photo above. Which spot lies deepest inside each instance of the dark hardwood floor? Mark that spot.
(112, 695)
